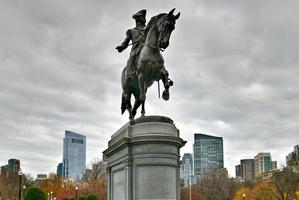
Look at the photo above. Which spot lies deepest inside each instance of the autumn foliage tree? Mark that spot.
(195, 194)
(240, 192)
(264, 191)
(286, 183)
(53, 184)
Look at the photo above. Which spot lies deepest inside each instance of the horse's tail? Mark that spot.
(123, 103)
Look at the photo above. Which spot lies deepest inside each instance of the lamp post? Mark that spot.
(190, 184)
(20, 183)
(64, 183)
(76, 188)
(244, 196)
(24, 189)
(51, 195)
(48, 196)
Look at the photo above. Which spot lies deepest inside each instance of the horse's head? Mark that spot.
(165, 27)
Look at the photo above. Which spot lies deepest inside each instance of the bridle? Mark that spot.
(161, 22)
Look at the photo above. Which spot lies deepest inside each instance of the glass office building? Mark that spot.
(208, 154)
(187, 169)
(74, 155)
(262, 163)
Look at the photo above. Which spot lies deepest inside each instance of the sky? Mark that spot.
(234, 64)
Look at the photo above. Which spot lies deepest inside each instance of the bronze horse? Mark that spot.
(150, 64)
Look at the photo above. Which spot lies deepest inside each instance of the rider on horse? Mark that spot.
(137, 36)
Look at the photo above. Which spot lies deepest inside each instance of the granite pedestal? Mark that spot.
(143, 160)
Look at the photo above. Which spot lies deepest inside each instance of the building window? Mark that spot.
(78, 141)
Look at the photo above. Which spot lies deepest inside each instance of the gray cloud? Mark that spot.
(234, 64)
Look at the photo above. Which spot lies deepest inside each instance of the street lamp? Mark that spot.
(24, 189)
(76, 188)
(20, 183)
(48, 196)
(244, 196)
(51, 195)
(190, 184)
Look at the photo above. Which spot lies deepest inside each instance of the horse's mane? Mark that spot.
(152, 22)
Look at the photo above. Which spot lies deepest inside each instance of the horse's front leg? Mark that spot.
(142, 92)
(167, 84)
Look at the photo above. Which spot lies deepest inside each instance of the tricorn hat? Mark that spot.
(140, 13)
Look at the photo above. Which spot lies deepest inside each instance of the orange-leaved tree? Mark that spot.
(264, 191)
(243, 193)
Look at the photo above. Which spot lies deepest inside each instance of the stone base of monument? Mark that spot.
(143, 160)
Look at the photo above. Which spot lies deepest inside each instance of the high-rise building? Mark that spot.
(59, 169)
(238, 171)
(14, 165)
(208, 154)
(247, 168)
(273, 165)
(262, 163)
(293, 159)
(187, 169)
(74, 155)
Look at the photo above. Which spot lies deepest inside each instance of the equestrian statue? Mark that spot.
(146, 63)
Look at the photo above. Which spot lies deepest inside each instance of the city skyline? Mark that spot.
(234, 67)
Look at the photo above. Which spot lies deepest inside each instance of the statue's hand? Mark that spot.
(119, 49)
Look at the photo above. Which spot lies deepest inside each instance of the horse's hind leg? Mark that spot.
(142, 106)
(129, 106)
(142, 109)
(165, 79)
(136, 106)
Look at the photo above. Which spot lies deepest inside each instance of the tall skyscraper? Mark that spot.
(74, 155)
(262, 163)
(208, 154)
(293, 159)
(14, 165)
(59, 170)
(187, 169)
(246, 169)
(238, 171)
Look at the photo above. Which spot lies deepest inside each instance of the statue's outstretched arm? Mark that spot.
(125, 43)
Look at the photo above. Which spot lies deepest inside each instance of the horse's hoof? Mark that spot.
(132, 122)
(171, 83)
(165, 95)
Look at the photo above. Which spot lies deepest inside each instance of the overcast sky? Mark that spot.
(234, 64)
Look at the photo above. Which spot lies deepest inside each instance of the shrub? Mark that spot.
(35, 194)
(92, 197)
(82, 198)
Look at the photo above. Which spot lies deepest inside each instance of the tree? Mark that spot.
(54, 184)
(92, 197)
(215, 185)
(97, 171)
(35, 194)
(195, 194)
(240, 192)
(285, 182)
(9, 185)
(264, 191)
